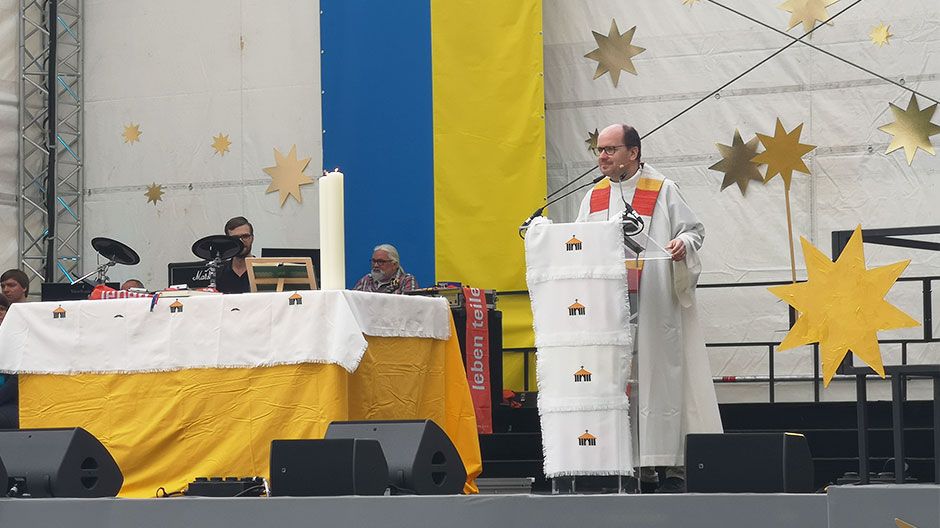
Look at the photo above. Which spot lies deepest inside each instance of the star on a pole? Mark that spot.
(154, 193)
(737, 162)
(842, 306)
(807, 12)
(880, 34)
(131, 133)
(911, 129)
(614, 52)
(591, 141)
(287, 175)
(783, 153)
(221, 144)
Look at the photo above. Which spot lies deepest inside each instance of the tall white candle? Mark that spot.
(332, 232)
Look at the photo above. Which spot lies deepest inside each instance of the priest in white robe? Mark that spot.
(675, 394)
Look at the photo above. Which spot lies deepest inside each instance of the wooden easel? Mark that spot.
(296, 273)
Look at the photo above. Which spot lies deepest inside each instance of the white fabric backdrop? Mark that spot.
(691, 51)
(9, 137)
(186, 71)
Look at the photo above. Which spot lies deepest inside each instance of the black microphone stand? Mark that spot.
(538, 212)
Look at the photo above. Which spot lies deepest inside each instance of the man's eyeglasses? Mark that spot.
(381, 262)
(244, 237)
(611, 150)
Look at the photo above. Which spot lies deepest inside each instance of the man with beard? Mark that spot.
(387, 275)
(233, 274)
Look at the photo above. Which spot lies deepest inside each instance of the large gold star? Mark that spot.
(842, 306)
(807, 12)
(131, 133)
(221, 144)
(154, 193)
(783, 153)
(911, 129)
(880, 34)
(288, 175)
(591, 142)
(614, 52)
(737, 162)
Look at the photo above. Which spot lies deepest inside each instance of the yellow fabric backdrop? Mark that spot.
(517, 333)
(489, 136)
(166, 428)
(489, 148)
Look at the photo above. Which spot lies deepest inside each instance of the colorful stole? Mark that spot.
(644, 203)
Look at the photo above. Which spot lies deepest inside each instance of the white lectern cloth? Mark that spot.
(578, 287)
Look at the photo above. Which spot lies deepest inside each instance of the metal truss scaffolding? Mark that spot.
(50, 163)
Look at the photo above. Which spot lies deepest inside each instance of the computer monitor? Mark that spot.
(63, 291)
(314, 255)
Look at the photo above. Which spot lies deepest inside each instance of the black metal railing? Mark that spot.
(770, 346)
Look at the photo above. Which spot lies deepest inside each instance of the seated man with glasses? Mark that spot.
(387, 275)
(233, 274)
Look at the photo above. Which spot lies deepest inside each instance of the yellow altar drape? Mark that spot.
(166, 428)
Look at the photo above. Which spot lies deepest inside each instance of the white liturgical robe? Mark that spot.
(676, 395)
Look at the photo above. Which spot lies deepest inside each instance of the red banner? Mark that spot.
(477, 346)
(104, 292)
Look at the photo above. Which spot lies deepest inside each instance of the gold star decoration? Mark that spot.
(807, 12)
(154, 193)
(737, 162)
(592, 141)
(842, 306)
(287, 175)
(880, 34)
(911, 129)
(783, 153)
(131, 133)
(614, 52)
(221, 144)
(689, 2)
(901, 524)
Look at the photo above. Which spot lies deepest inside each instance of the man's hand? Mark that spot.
(676, 248)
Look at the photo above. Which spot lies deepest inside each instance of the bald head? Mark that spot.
(616, 130)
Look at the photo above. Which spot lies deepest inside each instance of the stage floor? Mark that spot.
(841, 507)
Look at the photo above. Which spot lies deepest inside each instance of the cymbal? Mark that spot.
(113, 250)
(207, 248)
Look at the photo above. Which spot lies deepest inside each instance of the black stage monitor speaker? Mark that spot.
(748, 463)
(421, 458)
(317, 468)
(192, 273)
(59, 463)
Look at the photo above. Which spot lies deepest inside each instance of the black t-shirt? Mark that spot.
(228, 282)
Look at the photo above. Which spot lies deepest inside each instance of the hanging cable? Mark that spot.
(749, 70)
(817, 48)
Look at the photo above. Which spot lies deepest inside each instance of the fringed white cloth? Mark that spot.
(386, 315)
(210, 331)
(578, 287)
